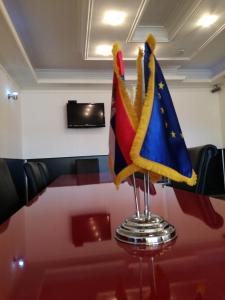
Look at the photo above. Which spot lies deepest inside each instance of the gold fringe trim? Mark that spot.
(124, 95)
(129, 170)
(126, 172)
(138, 97)
(151, 42)
(142, 129)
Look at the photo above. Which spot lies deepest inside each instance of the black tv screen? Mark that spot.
(82, 115)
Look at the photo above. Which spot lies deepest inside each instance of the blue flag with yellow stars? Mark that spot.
(159, 145)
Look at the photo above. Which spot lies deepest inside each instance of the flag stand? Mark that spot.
(145, 228)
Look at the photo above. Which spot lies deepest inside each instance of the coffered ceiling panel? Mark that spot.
(57, 42)
(49, 31)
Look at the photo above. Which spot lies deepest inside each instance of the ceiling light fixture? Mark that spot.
(136, 50)
(114, 17)
(104, 50)
(207, 20)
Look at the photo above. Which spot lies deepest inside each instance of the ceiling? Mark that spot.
(53, 42)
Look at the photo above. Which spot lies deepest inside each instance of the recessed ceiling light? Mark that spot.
(114, 17)
(207, 20)
(105, 50)
(136, 50)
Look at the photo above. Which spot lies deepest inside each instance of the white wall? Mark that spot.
(221, 95)
(45, 133)
(198, 111)
(10, 119)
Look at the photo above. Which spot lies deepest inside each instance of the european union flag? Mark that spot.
(159, 145)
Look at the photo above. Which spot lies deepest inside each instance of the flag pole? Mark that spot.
(135, 197)
(146, 195)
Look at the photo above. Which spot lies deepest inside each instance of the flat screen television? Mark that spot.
(85, 115)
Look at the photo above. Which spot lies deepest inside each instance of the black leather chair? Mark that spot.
(89, 165)
(9, 200)
(200, 157)
(44, 172)
(36, 181)
(87, 171)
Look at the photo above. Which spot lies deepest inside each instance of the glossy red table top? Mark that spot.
(62, 247)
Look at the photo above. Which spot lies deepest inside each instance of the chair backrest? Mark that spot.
(9, 200)
(44, 171)
(89, 165)
(200, 158)
(36, 182)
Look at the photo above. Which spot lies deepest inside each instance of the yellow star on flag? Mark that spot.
(162, 110)
(159, 95)
(173, 134)
(161, 85)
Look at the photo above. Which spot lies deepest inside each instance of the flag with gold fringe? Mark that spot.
(159, 145)
(124, 122)
(138, 102)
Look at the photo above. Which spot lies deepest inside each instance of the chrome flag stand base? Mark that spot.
(151, 231)
(146, 228)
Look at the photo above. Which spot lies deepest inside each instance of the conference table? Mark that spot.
(61, 245)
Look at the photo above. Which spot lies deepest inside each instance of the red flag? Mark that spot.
(123, 123)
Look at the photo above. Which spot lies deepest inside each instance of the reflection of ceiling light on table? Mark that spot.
(19, 263)
(207, 20)
(114, 17)
(104, 50)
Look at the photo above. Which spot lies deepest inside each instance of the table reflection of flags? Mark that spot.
(200, 292)
(159, 145)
